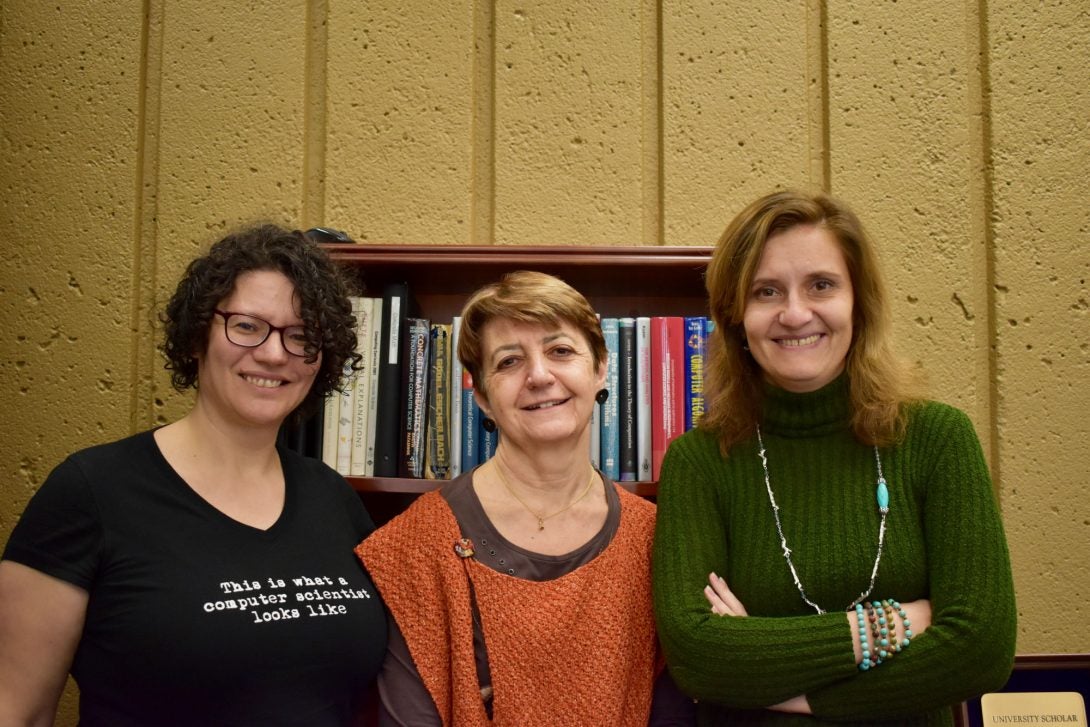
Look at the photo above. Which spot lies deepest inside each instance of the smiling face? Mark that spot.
(798, 315)
(260, 386)
(541, 381)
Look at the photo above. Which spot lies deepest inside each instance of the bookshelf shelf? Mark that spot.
(618, 281)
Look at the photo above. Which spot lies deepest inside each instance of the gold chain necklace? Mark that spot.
(542, 518)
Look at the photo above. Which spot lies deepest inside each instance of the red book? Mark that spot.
(667, 385)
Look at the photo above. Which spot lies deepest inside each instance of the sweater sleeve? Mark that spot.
(969, 647)
(748, 662)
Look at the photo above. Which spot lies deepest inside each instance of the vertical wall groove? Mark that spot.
(144, 284)
(315, 121)
(817, 41)
(482, 196)
(653, 225)
(982, 178)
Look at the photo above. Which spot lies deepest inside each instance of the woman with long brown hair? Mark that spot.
(829, 548)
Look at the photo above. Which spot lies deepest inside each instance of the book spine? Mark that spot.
(389, 425)
(658, 394)
(696, 347)
(626, 406)
(471, 422)
(415, 397)
(372, 390)
(437, 463)
(364, 310)
(667, 386)
(455, 399)
(610, 432)
(643, 398)
(330, 413)
(346, 415)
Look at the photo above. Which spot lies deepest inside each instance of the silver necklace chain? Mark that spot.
(883, 509)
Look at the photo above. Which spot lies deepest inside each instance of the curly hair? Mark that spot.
(879, 383)
(321, 288)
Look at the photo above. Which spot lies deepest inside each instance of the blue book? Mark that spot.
(696, 349)
(610, 431)
(471, 423)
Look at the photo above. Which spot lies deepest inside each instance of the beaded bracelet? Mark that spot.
(883, 631)
(867, 663)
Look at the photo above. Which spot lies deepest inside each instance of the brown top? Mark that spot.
(609, 651)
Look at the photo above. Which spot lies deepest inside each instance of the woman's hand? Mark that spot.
(919, 614)
(795, 705)
(725, 603)
(722, 600)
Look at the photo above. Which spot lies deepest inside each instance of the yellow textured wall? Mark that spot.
(135, 133)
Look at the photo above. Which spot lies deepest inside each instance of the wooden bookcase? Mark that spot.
(618, 281)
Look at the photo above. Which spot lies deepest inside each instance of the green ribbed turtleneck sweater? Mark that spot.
(944, 542)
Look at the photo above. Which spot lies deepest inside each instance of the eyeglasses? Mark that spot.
(250, 331)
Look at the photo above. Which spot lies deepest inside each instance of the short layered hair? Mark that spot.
(526, 297)
(879, 383)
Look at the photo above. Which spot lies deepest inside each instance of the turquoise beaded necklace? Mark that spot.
(882, 495)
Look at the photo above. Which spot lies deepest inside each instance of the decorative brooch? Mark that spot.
(463, 547)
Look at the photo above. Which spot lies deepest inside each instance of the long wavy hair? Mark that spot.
(879, 383)
(321, 288)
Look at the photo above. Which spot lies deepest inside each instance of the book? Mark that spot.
(396, 304)
(696, 347)
(414, 391)
(667, 386)
(364, 310)
(346, 411)
(437, 459)
(372, 389)
(330, 410)
(471, 424)
(643, 399)
(455, 399)
(609, 432)
(626, 403)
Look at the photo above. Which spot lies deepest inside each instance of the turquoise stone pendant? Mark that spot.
(883, 496)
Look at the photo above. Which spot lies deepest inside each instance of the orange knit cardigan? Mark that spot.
(577, 650)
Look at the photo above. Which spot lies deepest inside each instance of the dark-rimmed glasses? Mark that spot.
(243, 329)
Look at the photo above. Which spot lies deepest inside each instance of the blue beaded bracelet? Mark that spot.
(861, 618)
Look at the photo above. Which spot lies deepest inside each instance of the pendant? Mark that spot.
(883, 496)
(540, 525)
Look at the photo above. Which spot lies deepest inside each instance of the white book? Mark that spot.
(372, 388)
(331, 409)
(455, 399)
(346, 411)
(364, 321)
(643, 399)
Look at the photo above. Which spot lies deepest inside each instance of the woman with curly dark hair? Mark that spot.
(197, 573)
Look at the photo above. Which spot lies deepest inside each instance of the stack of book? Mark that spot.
(410, 411)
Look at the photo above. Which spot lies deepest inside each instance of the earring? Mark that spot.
(488, 424)
(601, 396)
(745, 344)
